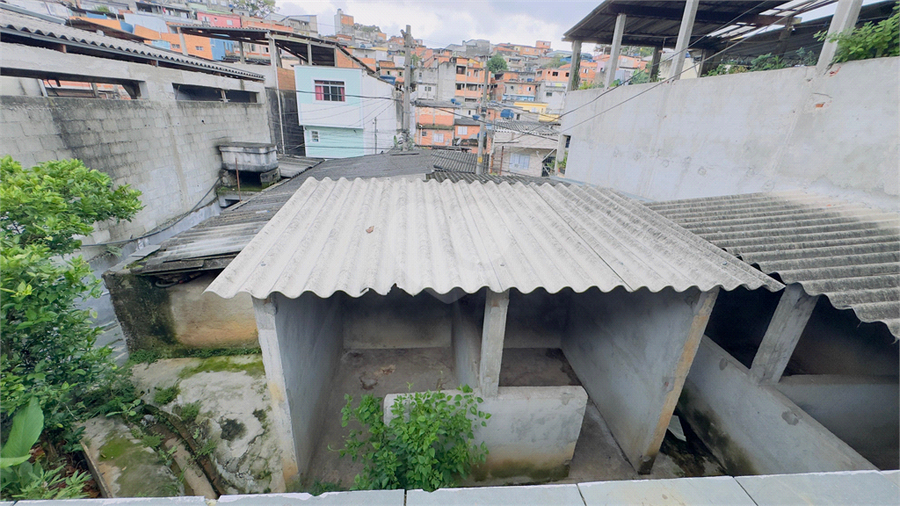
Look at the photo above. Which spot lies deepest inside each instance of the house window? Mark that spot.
(424, 133)
(461, 70)
(438, 137)
(230, 22)
(313, 136)
(555, 74)
(198, 48)
(459, 86)
(567, 74)
(176, 46)
(330, 91)
(519, 161)
(549, 93)
(463, 130)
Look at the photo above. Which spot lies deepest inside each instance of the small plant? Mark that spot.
(164, 396)
(151, 440)
(190, 411)
(207, 449)
(767, 61)
(868, 41)
(427, 444)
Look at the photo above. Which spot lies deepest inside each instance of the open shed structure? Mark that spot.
(624, 294)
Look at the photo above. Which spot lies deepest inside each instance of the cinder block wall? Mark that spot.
(166, 149)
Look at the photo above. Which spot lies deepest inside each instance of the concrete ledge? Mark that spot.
(358, 498)
(514, 496)
(695, 491)
(122, 501)
(851, 487)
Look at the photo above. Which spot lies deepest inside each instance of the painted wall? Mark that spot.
(754, 429)
(387, 110)
(741, 133)
(333, 142)
(631, 352)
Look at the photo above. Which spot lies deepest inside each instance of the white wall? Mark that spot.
(387, 110)
(776, 130)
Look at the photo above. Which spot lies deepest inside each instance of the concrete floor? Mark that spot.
(597, 456)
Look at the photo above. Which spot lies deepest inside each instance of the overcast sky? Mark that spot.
(445, 22)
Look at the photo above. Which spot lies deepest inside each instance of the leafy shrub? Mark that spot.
(428, 443)
(868, 41)
(767, 61)
(47, 342)
(163, 396)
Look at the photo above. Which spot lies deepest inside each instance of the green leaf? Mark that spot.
(26, 429)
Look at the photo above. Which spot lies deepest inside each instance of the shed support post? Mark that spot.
(845, 16)
(243, 57)
(615, 50)
(684, 38)
(560, 154)
(492, 333)
(654, 63)
(309, 59)
(785, 329)
(575, 71)
(265, 310)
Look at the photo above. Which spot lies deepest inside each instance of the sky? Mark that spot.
(440, 23)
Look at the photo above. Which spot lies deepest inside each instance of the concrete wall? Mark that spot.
(466, 344)
(754, 429)
(162, 147)
(759, 131)
(861, 410)
(531, 434)
(396, 320)
(301, 343)
(180, 316)
(631, 352)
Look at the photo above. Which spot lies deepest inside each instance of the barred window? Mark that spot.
(330, 91)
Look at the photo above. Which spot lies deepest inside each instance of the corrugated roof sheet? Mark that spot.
(215, 242)
(527, 127)
(470, 177)
(847, 253)
(457, 161)
(372, 234)
(13, 25)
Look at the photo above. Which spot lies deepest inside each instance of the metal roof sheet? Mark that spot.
(17, 28)
(453, 160)
(527, 127)
(372, 234)
(470, 177)
(848, 253)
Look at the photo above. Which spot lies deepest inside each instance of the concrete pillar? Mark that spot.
(243, 58)
(274, 60)
(265, 311)
(575, 73)
(845, 16)
(684, 38)
(614, 52)
(492, 333)
(182, 42)
(560, 153)
(654, 63)
(309, 60)
(788, 322)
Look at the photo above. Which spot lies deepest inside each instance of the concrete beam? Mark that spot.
(574, 75)
(615, 50)
(684, 38)
(785, 329)
(492, 333)
(845, 17)
(265, 311)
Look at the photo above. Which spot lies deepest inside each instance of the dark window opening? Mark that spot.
(208, 94)
(89, 89)
(330, 91)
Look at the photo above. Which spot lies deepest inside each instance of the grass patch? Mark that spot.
(189, 412)
(163, 396)
(253, 367)
(150, 356)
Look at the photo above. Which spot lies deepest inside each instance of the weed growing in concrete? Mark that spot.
(190, 411)
(427, 444)
(164, 396)
(207, 449)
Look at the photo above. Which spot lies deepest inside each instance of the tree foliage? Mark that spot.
(496, 64)
(872, 40)
(427, 444)
(259, 8)
(48, 348)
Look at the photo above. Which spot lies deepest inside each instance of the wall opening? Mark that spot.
(189, 92)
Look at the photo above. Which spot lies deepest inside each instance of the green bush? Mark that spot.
(868, 41)
(428, 444)
(47, 342)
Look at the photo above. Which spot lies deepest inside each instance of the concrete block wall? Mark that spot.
(759, 131)
(165, 149)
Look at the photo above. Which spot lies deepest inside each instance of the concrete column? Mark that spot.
(614, 52)
(243, 58)
(183, 43)
(574, 76)
(654, 63)
(684, 38)
(309, 60)
(274, 60)
(560, 154)
(845, 16)
(492, 334)
(788, 322)
(265, 311)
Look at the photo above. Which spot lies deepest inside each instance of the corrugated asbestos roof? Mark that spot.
(847, 253)
(527, 127)
(215, 242)
(456, 161)
(470, 177)
(372, 234)
(18, 28)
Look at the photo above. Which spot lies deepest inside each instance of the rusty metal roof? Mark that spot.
(28, 30)
(373, 234)
(845, 252)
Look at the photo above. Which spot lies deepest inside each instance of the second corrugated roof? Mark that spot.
(359, 235)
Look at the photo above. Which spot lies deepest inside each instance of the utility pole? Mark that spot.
(376, 135)
(482, 132)
(407, 44)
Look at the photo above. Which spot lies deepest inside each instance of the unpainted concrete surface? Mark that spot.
(234, 414)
